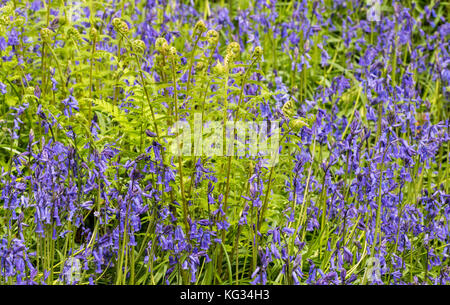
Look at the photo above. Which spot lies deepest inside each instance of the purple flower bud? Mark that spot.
(150, 133)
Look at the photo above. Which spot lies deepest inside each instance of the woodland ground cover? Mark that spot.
(355, 94)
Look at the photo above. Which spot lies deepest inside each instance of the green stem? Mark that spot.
(300, 219)
(180, 159)
(58, 65)
(269, 184)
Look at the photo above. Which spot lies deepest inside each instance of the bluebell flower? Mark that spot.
(13, 38)
(2, 88)
(3, 43)
(36, 5)
(70, 103)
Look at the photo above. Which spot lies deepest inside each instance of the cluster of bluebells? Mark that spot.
(355, 185)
